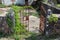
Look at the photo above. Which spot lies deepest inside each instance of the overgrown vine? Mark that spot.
(19, 28)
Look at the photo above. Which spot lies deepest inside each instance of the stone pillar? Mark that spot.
(49, 12)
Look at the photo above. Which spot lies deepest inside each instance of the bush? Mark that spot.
(53, 18)
(2, 6)
(17, 37)
(58, 5)
(9, 20)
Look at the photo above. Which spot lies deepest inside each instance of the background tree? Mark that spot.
(0, 1)
(13, 1)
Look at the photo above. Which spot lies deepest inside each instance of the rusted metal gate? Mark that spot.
(24, 17)
(27, 18)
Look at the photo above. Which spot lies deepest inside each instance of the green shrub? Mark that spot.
(58, 5)
(9, 20)
(53, 18)
(2, 6)
(16, 37)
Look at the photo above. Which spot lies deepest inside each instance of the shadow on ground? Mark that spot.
(43, 37)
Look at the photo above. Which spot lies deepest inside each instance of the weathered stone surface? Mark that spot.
(6, 39)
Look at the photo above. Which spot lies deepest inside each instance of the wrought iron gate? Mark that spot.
(30, 18)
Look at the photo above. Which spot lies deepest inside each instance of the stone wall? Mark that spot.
(4, 27)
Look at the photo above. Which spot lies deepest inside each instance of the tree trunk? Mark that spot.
(0, 1)
(42, 23)
(26, 2)
(13, 1)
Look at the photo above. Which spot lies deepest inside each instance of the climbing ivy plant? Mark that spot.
(19, 28)
(9, 21)
(17, 21)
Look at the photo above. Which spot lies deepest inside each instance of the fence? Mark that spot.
(30, 19)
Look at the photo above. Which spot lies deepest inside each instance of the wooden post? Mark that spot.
(42, 19)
